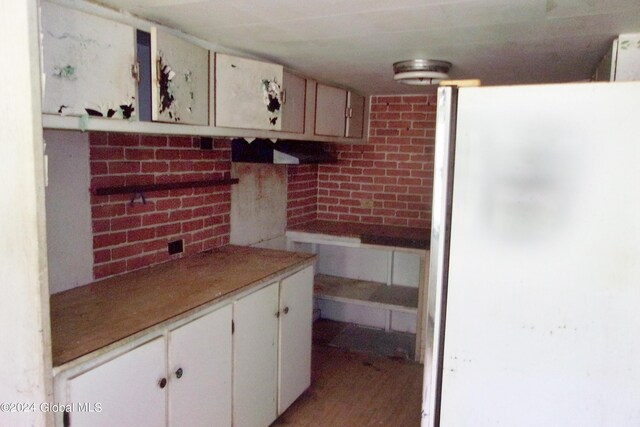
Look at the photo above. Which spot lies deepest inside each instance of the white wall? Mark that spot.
(25, 358)
(69, 237)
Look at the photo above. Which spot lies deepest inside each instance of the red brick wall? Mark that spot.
(389, 179)
(302, 193)
(128, 237)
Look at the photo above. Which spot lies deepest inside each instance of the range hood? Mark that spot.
(281, 152)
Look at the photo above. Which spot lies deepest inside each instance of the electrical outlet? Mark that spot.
(176, 247)
(206, 143)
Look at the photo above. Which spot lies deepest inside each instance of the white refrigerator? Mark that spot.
(534, 288)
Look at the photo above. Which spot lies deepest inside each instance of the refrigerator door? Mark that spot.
(439, 251)
(543, 291)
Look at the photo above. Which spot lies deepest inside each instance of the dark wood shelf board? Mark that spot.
(128, 189)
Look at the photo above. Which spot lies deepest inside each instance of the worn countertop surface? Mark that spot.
(374, 234)
(90, 317)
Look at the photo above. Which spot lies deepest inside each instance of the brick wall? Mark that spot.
(128, 237)
(302, 193)
(389, 179)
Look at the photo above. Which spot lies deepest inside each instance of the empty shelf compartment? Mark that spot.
(340, 289)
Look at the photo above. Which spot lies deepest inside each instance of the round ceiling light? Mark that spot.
(421, 71)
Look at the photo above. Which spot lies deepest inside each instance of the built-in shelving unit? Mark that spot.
(369, 275)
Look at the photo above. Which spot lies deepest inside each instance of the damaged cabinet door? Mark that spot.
(248, 93)
(87, 64)
(180, 78)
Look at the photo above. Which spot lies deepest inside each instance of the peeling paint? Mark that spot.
(166, 95)
(65, 72)
(82, 41)
(84, 122)
(127, 110)
(271, 94)
(93, 113)
(176, 90)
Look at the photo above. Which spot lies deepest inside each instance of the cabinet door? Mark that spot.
(86, 64)
(247, 93)
(294, 97)
(180, 78)
(255, 355)
(127, 389)
(331, 105)
(294, 355)
(200, 371)
(355, 115)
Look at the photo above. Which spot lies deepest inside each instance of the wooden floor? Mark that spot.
(354, 389)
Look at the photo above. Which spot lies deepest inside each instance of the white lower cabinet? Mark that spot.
(294, 355)
(272, 349)
(207, 371)
(125, 390)
(200, 371)
(255, 357)
(144, 387)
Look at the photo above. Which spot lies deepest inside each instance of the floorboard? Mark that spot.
(350, 389)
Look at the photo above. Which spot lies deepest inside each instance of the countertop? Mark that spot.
(374, 234)
(90, 317)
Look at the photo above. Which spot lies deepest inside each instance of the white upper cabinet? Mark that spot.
(331, 103)
(87, 63)
(338, 112)
(294, 95)
(355, 115)
(248, 93)
(180, 79)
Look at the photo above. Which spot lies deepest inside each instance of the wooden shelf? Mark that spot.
(135, 189)
(340, 289)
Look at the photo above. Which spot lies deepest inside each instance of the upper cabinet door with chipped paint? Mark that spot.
(180, 80)
(86, 64)
(247, 93)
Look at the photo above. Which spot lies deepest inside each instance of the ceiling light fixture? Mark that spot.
(421, 72)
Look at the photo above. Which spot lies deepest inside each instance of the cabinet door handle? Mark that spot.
(286, 310)
(179, 373)
(162, 383)
(277, 314)
(283, 96)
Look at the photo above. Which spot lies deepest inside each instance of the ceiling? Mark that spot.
(354, 43)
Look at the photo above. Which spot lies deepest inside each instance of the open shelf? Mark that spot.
(391, 297)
